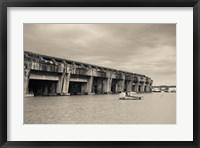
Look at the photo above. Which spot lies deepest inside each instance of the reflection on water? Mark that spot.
(154, 108)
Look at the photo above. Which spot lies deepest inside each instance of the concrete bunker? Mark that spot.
(45, 75)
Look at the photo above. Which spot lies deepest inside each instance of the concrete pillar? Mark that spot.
(89, 85)
(147, 87)
(121, 85)
(138, 88)
(117, 87)
(129, 86)
(142, 87)
(107, 85)
(66, 84)
(26, 81)
(63, 83)
(60, 84)
(150, 86)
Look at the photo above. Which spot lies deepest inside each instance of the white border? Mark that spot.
(182, 131)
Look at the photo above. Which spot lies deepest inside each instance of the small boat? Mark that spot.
(131, 98)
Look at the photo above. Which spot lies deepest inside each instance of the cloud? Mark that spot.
(149, 49)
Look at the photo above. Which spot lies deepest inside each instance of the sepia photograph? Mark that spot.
(105, 73)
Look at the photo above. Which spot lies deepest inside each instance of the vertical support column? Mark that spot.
(89, 85)
(59, 88)
(66, 84)
(116, 87)
(63, 83)
(150, 86)
(142, 87)
(129, 85)
(59, 84)
(147, 87)
(26, 81)
(137, 83)
(107, 85)
(121, 85)
(110, 85)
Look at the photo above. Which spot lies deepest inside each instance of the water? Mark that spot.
(154, 108)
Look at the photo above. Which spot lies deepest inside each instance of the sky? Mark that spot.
(148, 49)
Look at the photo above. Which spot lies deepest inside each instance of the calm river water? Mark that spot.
(154, 108)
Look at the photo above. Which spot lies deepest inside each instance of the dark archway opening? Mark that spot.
(75, 88)
(133, 88)
(113, 86)
(145, 88)
(97, 86)
(139, 89)
(42, 87)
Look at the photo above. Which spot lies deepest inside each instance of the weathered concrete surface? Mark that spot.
(62, 77)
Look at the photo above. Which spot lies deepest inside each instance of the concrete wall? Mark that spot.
(91, 78)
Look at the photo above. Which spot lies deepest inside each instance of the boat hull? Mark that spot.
(131, 98)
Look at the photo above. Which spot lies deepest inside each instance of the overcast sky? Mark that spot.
(148, 49)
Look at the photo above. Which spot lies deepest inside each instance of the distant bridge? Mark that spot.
(45, 75)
